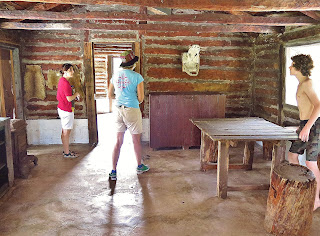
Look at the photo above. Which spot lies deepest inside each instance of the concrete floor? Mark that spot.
(75, 197)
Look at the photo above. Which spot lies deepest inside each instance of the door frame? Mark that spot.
(88, 56)
(17, 79)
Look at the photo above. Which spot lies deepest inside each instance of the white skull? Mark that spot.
(191, 60)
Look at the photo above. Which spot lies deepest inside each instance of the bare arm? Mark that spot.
(313, 97)
(111, 91)
(71, 98)
(140, 90)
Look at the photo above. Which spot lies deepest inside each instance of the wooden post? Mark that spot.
(290, 201)
(90, 101)
(109, 67)
(223, 165)
(248, 154)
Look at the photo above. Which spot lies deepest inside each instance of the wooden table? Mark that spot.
(249, 129)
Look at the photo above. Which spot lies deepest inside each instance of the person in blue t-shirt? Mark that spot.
(128, 88)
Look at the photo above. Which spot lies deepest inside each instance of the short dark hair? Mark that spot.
(66, 67)
(303, 63)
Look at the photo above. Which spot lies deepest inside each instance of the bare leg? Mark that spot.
(65, 135)
(293, 158)
(116, 150)
(313, 166)
(136, 138)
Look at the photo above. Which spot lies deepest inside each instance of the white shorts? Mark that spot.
(66, 118)
(129, 118)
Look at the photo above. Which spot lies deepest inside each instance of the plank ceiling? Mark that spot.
(260, 16)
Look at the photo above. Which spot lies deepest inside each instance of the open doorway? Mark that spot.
(106, 62)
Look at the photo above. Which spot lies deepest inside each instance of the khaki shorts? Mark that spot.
(128, 118)
(66, 118)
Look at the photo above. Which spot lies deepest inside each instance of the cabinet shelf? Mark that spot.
(6, 160)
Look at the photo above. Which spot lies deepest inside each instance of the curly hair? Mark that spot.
(303, 63)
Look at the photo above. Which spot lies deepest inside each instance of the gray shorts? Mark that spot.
(312, 147)
(128, 118)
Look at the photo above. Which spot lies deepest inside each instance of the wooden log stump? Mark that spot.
(290, 201)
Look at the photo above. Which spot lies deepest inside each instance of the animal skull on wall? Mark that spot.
(191, 60)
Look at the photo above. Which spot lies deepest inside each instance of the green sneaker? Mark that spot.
(113, 175)
(142, 168)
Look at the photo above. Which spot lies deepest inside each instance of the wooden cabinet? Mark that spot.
(22, 162)
(170, 115)
(6, 162)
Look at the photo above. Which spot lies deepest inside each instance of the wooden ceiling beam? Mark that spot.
(147, 27)
(216, 5)
(16, 5)
(43, 6)
(156, 11)
(214, 18)
(39, 7)
(312, 14)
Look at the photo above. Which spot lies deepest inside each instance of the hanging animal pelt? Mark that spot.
(75, 81)
(34, 83)
(53, 78)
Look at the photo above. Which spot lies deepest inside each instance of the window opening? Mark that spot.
(291, 83)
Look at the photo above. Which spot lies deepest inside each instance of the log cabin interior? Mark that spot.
(245, 48)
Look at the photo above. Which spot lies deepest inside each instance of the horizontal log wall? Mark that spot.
(268, 81)
(101, 73)
(7, 37)
(226, 65)
(51, 50)
(267, 86)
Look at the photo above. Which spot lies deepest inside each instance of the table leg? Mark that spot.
(278, 153)
(223, 165)
(248, 154)
(208, 151)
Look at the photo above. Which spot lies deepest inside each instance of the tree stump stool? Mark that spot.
(290, 201)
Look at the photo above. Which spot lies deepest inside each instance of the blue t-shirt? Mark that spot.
(125, 84)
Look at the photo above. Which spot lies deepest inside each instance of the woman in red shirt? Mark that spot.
(66, 114)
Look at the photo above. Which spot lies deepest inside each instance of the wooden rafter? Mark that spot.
(156, 11)
(239, 13)
(39, 7)
(312, 14)
(217, 5)
(148, 27)
(43, 6)
(214, 18)
(16, 5)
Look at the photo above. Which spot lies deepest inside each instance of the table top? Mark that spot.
(248, 128)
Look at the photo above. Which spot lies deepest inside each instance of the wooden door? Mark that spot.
(7, 85)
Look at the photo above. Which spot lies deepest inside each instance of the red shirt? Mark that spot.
(64, 90)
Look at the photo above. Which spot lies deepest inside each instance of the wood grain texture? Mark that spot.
(290, 200)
